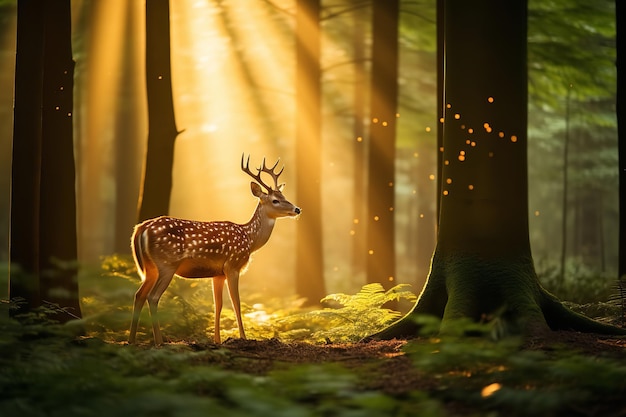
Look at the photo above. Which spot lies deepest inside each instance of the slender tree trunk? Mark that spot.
(482, 268)
(564, 200)
(127, 129)
(620, 12)
(157, 179)
(309, 254)
(358, 100)
(382, 152)
(440, 98)
(43, 235)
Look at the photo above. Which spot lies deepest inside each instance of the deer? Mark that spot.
(166, 246)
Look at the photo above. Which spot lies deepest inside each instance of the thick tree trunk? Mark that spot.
(380, 260)
(26, 168)
(309, 254)
(58, 236)
(482, 268)
(157, 180)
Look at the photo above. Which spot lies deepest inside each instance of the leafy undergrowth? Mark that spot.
(47, 370)
(302, 363)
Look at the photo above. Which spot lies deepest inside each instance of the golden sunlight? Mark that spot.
(490, 389)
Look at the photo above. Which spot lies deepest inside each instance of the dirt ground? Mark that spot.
(394, 371)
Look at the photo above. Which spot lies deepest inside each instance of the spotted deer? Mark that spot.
(167, 246)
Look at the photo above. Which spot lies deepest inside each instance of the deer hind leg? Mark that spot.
(141, 295)
(218, 290)
(233, 291)
(165, 275)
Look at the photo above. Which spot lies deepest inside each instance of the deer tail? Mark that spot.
(137, 247)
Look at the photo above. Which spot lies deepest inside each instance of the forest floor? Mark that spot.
(390, 369)
(57, 370)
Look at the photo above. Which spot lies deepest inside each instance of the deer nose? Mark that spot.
(297, 210)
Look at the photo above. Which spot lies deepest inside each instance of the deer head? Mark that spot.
(272, 200)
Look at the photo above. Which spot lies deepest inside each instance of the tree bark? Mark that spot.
(43, 201)
(58, 235)
(380, 258)
(26, 167)
(482, 268)
(157, 179)
(620, 12)
(309, 253)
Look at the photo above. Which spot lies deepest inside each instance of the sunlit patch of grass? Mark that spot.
(186, 310)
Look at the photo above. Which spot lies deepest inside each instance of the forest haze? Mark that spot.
(233, 81)
(439, 179)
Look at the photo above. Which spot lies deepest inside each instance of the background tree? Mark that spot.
(380, 223)
(309, 256)
(127, 129)
(620, 12)
(8, 11)
(359, 105)
(43, 200)
(157, 180)
(482, 267)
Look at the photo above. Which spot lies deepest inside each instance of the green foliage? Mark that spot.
(47, 370)
(356, 316)
(186, 310)
(578, 50)
(580, 284)
(50, 369)
(517, 381)
(59, 374)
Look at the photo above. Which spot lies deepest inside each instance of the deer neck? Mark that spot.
(260, 228)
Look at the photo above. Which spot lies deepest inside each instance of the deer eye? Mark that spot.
(275, 201)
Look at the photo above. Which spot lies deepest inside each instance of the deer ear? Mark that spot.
(281, 187)
(256, 189)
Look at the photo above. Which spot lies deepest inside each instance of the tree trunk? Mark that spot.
(127, 131)
(380, 261)
(620, 12)
(309, 254)
(157, 179)
(26, 167)
(43, 221)
(440, 99)
(358, 137)
(58, 236)
(482, 267)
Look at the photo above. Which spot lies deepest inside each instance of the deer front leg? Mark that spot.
(233, 291)
(218, 289)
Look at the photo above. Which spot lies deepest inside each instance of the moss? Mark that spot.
(500, 290)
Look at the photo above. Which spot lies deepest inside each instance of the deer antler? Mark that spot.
(261, 169)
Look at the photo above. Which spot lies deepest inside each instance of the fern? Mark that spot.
(356, 316)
